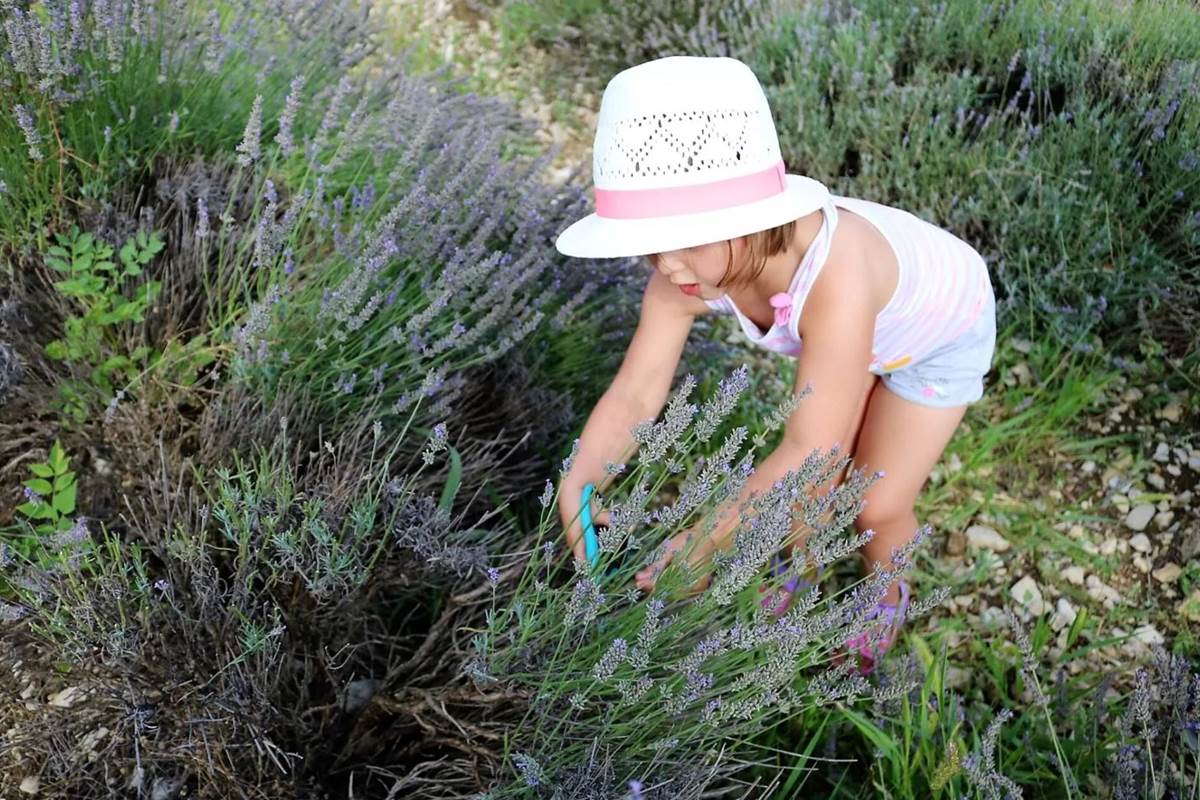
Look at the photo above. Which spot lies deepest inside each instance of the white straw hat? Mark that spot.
(685, 154)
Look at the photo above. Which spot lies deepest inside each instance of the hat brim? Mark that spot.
(607, 237)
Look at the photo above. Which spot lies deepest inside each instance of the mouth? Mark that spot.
(690, 288)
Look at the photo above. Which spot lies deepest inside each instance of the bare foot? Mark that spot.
(700, 555)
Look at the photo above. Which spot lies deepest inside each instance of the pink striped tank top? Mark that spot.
(942, 288)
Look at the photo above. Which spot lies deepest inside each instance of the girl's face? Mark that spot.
(696, 270)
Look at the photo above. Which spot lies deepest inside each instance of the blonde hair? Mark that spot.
(760, 246)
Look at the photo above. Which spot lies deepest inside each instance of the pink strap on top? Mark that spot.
(671, 200)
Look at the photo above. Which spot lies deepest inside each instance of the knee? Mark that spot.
(882, 512)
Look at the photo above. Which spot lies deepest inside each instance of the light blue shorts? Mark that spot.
(951, 375)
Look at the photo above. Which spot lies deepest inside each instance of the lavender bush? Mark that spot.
(1066, 139)
(669, 684)
(1009, 101)
(239, 651)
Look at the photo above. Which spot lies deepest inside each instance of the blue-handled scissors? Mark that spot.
(591, 543)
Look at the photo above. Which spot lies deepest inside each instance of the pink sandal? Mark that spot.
(894, 616)
(780, 601)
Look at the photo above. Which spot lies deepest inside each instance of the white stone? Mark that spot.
(1102, 592)
(986, 538)
(1157, 481)
(1140, 517)
(1142, 563)
(1167, 573)
(1074, 574)
(88, 743)
(1172, 411)
(30, 785)
(66, 698)
(1121, 502)
(1088, 467)
(1027, 593)
(1140, 542)
(1163, 519)
(1148, 634)
(1108, 546)
(1064, 614)
(1162, 453)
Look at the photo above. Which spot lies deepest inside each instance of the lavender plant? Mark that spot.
(707, 671)
(1009, 100)
(93, 91)
(279, 586)
(413, 285)
(1086, 241)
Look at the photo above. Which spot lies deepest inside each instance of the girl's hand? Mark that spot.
(700, 555)
(569, 505)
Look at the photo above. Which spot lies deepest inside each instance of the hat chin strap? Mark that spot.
(673, 200)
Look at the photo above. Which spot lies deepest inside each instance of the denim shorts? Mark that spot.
(951, 375)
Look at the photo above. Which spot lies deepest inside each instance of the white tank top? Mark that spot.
(942, 287)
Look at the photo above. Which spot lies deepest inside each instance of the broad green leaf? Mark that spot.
(84, 242)
(128, 253)
(42, 511)
(57, 456)
(75, 287)
(63, 481)
(39, 485)
(106, 266)
(82, 262)
(58, 264)
(131, 268)
(42, 470)
(64, 502)
(139, 353)
(61, 252)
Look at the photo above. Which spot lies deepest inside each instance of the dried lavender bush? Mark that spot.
(270, 641)
(618, 668)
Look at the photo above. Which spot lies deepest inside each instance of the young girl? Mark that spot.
(891, 319)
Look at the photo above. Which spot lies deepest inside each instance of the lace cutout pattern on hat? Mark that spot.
(686, 141)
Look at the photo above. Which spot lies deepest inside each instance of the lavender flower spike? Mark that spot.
(32, 137)
(248, 150)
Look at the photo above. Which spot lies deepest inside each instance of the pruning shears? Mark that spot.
(590, 542)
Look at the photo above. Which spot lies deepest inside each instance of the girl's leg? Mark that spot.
(905, 440)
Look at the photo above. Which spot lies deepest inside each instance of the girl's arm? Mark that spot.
(837, 327)
(638, 392)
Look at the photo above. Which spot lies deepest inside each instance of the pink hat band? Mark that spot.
(673, 200)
